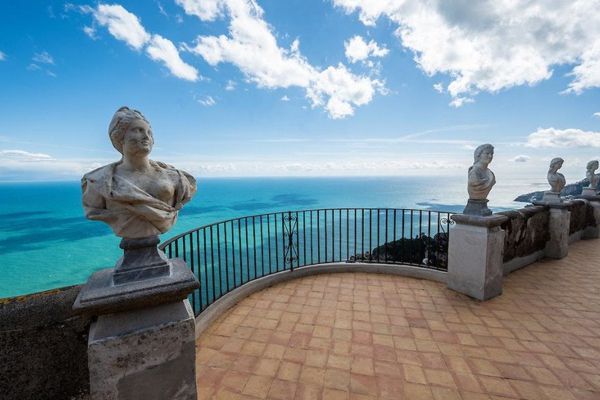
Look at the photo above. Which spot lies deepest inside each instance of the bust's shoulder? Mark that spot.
(169, 169)
(99, 174)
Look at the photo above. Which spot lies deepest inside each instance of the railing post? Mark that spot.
(289, 251)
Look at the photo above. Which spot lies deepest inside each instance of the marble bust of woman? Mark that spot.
(590, 174)
(481, 178)
(137, 197)
(556, 179)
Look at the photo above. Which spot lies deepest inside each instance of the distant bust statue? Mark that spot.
(481, 178)
(556, 179)
(592, 166)
(136, 196)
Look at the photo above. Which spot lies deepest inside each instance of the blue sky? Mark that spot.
(302, 87)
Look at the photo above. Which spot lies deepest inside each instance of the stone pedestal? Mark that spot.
(477, 207)
(475, 256)
(144, 354)
(551, 198)
(560, 220)
(589, 192)
(142, 346)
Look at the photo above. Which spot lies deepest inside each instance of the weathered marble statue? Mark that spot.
(145, 326)
(591, 191)
(137, 197)
(480, 181)
(590, 174)
(556, 180)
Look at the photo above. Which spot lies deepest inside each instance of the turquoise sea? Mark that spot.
(45, 241)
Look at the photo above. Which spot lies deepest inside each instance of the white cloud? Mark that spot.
(161, 49)
(252, 47)
(230, 85)
(520, 158)
(285, 98)
(23, 156)
(597, 114)
(206, 10)
(438, 87)
(206, 101)
(491, 45)
(43, 58)
(562, 138)
(90, 31)
(359, 50)
(339, 90)
(460, 101)
(2, 56)
(127, 27)
(122, 24)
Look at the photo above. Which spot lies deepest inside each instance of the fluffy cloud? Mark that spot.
(127, 27)
(2, 56)
(359, 50)
(491, 45)
(597, 114)
(122, 24)
(252, 47)
(520, 159)
(161, 49)
(551, 137)
(338, 90)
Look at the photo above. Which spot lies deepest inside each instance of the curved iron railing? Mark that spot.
(225, 255)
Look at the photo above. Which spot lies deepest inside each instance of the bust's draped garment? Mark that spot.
(129, 210)
(480, 182)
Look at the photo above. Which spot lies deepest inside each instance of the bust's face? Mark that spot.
(138, 139)
(486, 156)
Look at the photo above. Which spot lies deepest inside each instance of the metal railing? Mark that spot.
(227, 254)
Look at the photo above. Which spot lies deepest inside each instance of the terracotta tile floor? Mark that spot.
(367, 336)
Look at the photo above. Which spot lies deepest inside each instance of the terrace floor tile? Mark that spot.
(361, 336)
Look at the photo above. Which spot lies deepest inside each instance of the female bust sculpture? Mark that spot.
(556, 179)
(481, 178)
(136, 196)
(592, 166)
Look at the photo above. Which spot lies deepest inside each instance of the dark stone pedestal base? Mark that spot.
(141, 260)
(101, 296)
(477, 207)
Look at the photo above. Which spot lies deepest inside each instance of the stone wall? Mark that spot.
(579, 216)
(526, 230)
(43, 347)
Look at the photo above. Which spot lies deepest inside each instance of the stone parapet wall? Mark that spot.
(527, 231)
(43, 347)
(579, 216)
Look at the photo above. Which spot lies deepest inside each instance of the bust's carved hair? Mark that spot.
(555, 161)
(119, 124)
(590, 165)
(480, 149)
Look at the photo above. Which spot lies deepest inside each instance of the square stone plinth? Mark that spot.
(144, 354)
(475, 256)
